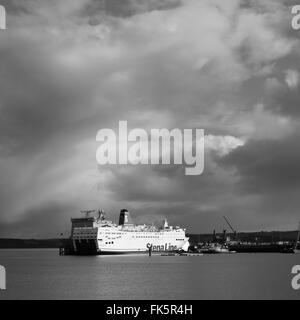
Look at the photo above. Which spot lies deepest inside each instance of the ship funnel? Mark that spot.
(125, 218)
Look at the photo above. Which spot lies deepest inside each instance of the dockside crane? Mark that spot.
(232, 229)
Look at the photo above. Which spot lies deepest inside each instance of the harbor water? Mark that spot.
(43, 274)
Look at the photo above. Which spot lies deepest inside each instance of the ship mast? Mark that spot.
(101, 215)
(87, 212)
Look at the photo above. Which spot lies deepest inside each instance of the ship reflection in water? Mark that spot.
(43, 274)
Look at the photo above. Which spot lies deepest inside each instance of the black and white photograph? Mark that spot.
(149, 151)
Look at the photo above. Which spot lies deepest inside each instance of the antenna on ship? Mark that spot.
(87, 212)
(166, 225)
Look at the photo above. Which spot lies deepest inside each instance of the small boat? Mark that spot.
(287, 250)
(215, 248)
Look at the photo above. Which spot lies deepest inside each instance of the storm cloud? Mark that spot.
(70, 68)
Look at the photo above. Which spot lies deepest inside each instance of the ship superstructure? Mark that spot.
(97, 235)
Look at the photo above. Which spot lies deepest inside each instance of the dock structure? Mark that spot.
(150, 251)
(66, 250)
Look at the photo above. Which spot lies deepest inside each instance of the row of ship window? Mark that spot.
(110, 242)
(147, 237)
(118, 233)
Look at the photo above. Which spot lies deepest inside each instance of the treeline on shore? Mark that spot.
(260, 237)
(32, 243)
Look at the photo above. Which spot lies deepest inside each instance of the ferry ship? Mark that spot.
(97, 235)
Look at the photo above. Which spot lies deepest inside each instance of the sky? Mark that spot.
(70, 68)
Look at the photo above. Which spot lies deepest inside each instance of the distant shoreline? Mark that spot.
(260, 237)
(9, 243)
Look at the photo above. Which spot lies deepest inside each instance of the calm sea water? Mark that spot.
(43, 274)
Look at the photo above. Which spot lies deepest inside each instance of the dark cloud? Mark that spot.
(268, 170)
(267, 166)
(69, 68)
(48, 221)
(127, 8)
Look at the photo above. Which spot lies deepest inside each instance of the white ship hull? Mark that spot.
(124, 241)
(91, 236)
